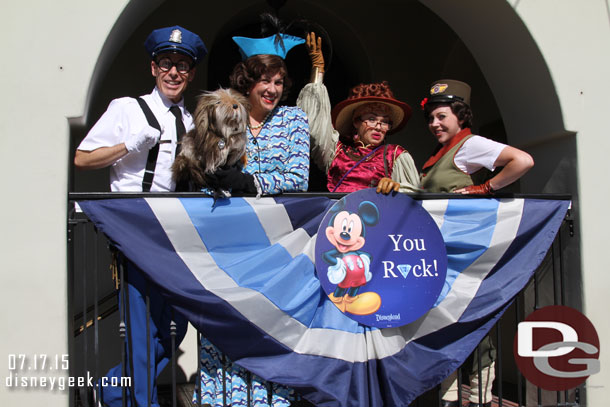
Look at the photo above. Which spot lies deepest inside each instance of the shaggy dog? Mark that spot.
(218, 139)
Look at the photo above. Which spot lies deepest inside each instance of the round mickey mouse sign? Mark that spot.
(381, 259)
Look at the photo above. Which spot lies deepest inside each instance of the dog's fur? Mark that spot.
(220, 115)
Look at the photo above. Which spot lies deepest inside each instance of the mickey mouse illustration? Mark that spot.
(349, 266)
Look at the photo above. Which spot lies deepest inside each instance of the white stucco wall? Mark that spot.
(50, 51)
(575, 41)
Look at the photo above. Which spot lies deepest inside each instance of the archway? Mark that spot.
(410, 43)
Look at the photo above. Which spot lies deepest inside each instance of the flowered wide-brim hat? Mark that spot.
(343, 112)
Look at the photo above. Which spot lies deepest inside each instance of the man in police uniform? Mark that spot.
(139, 140)
(122, 138)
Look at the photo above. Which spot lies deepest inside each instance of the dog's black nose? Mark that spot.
(234, 106)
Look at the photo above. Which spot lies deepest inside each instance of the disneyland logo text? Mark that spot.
(62, 382)
(389, 317)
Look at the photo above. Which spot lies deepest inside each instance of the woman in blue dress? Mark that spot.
(277, 161)
(278, 136)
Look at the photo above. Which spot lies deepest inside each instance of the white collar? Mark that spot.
(162, 100)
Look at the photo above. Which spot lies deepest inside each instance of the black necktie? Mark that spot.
(180, 130)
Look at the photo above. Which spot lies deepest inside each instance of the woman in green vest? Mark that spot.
(458, 163)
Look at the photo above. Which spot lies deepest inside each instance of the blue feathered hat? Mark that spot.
(269, 45)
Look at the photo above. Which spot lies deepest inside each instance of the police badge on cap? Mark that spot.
(176, 36)
(175, 39)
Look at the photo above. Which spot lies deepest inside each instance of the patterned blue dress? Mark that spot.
(279, 156)
(214, 366)
(279, 159)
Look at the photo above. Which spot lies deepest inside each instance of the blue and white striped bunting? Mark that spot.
(243, 273)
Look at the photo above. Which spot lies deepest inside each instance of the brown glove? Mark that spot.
(314, 48)
(387, 185)
(483, 189)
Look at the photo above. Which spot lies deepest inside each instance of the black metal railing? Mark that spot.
(97, 325)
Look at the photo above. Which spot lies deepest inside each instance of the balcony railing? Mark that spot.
(97, 324)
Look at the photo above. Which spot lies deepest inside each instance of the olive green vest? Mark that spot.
(444, 176)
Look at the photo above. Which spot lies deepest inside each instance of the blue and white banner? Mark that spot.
(243, 273)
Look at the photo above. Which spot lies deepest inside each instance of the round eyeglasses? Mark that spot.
(374, 121)
(166, 64)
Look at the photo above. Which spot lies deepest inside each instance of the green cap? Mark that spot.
(449, 90)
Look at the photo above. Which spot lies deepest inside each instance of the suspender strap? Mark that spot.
(385, 160)
(151, 161)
